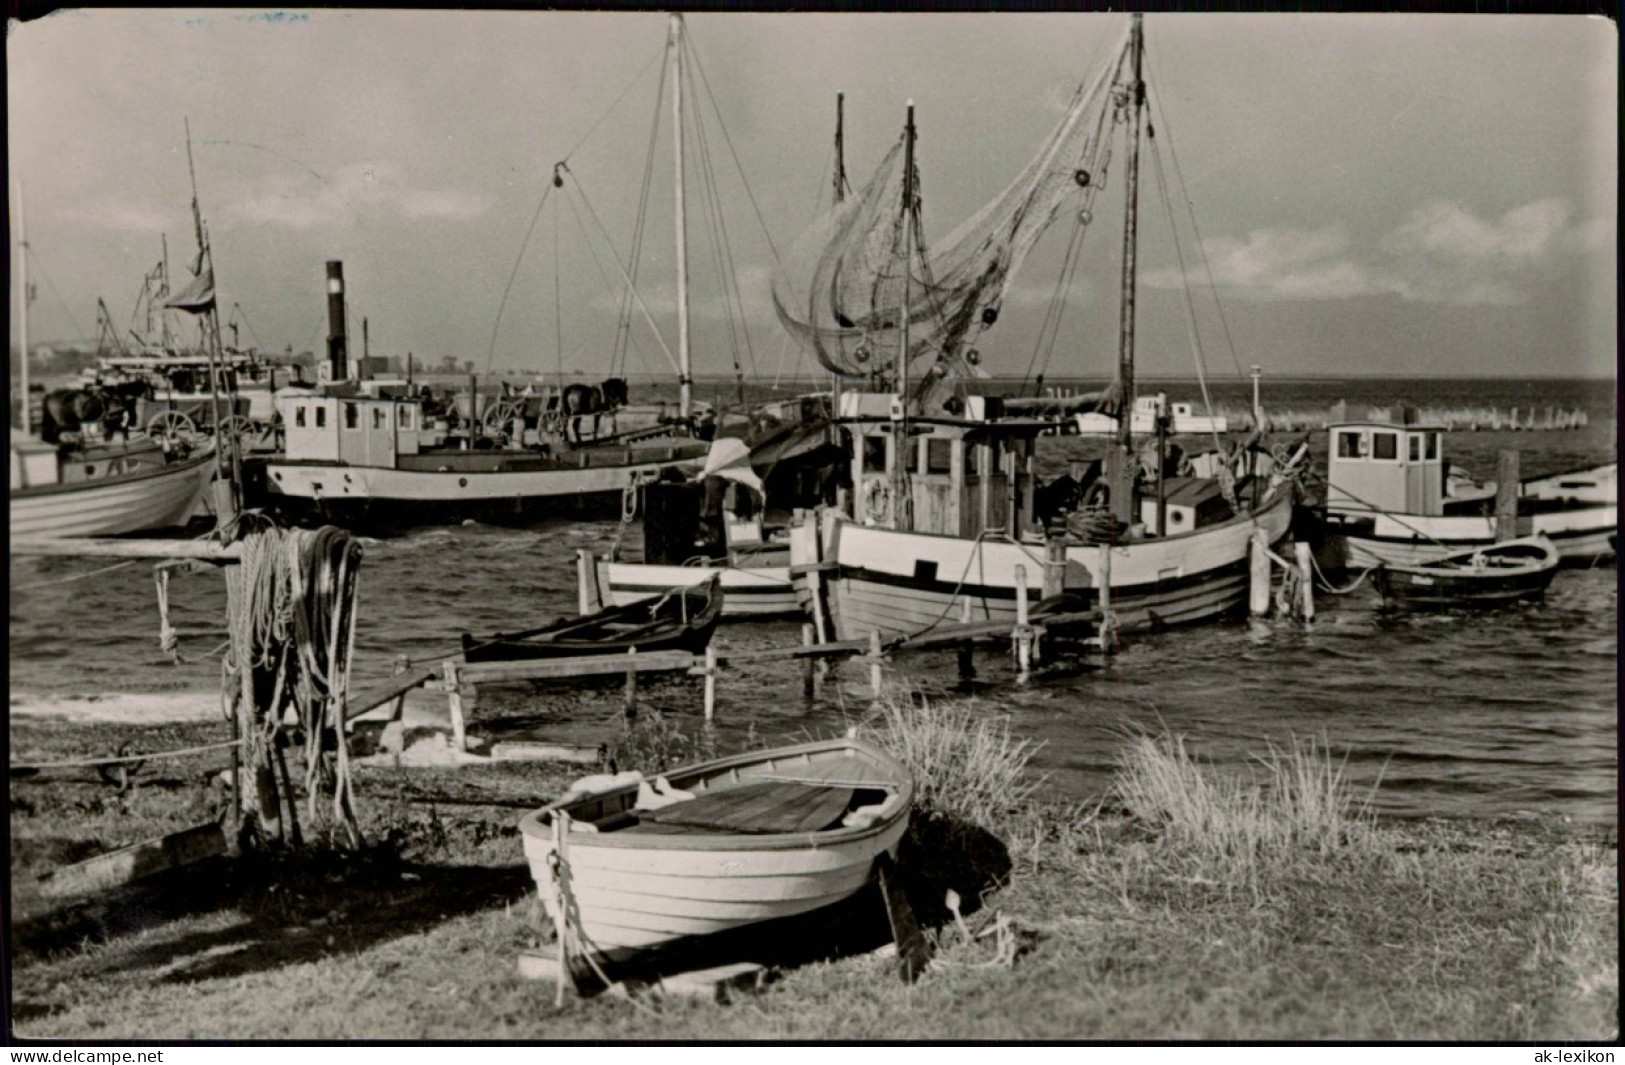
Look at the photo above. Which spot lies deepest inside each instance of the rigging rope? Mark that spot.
(490, 351)
(1185, 291)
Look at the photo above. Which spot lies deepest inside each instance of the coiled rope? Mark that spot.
(291, 606)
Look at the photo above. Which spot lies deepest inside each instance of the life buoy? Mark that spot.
(877, 500)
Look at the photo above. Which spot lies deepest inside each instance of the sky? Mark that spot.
(1373, 194)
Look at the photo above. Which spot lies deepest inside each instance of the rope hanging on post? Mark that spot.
(291, 610)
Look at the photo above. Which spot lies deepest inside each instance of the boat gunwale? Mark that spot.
(533, 826)
(187, 465)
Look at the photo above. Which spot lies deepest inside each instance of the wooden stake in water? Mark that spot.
(1258, 587)
(1306, 582)
(1506, 496)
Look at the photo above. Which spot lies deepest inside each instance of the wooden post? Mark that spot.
(710, 683)
(454, 698)
(1108, 617)
(1054, 563)
(1306, 581)
(1506, 495)
(1258, 589)
(1023, 634)
(967, 665)
(631, 684)
(589, 598)
(808, 639)
(874, 661)
(815, 578)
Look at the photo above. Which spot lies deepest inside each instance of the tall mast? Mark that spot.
(840, 197)
(22, 307)
(840, 147)
(901, 517)
(228, 457)
(1122, 494)
(685, 377)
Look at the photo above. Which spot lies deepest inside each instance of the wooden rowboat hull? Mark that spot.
(748, 591)
(633, 892)
(1513, 571)
(683, 620)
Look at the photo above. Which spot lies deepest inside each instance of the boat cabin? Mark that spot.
(1383, 466)
(353, 427)
(967, 472)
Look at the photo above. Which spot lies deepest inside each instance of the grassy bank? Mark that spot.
(1184, 906)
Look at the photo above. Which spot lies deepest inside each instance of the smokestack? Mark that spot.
(337, 349)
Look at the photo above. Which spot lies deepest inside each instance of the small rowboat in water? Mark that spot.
(716, 846)
(1481, 577)
(681, 620)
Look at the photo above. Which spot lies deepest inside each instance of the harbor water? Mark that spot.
(1511, 713)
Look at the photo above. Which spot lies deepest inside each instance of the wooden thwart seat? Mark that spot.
(766, 806)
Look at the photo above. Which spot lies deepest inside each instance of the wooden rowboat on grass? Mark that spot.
(716, 846)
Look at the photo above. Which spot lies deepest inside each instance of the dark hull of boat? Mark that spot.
(1413, 591)
(682, 623)
(1505, 573)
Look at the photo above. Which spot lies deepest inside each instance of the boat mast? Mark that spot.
(22, 307)
(685, 379)
(840, 197)
(1122, 493)
(901, 518)
(227, 457)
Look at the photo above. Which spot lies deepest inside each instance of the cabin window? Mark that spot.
(913, 452)
(321, 417)
(352, 417)
(406, 416)
(1348, 445)
(939, 455)
(1433, 445)
(378, 417)
(970, 460)
(995, 456)
(1416, 447)
(299, 416)
(1385, 446)
(874, 454)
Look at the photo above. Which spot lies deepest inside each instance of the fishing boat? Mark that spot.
(1481, 577)
(682, 619)
(1390, 500)
(691, 537)
(385, 455)
(105, 488)
(948, 520)
(75, 478)
(718, 846)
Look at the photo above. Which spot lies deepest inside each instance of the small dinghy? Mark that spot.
(716, 846)
(681, 620)
(1481, 577)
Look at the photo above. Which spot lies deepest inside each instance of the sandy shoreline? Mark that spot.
(157, 708)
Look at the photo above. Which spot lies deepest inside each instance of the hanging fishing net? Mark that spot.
(840, 290)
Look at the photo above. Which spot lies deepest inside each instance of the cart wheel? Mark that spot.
(172, 423)
(238, 428)
(500, 415)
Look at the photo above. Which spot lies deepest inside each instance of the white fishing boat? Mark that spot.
(79, 482)
(638, 865)
(687, 543)
(1182, 419)
(104, 489)
(946, 523)
(378, 454)
(1389, 500)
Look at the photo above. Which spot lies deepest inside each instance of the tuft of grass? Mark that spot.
(967, 765)
(654, 745)
(1303, 803)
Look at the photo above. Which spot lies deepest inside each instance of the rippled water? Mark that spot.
(1456, 715)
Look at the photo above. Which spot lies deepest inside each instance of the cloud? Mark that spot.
(303, 201)
(1442, 253)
